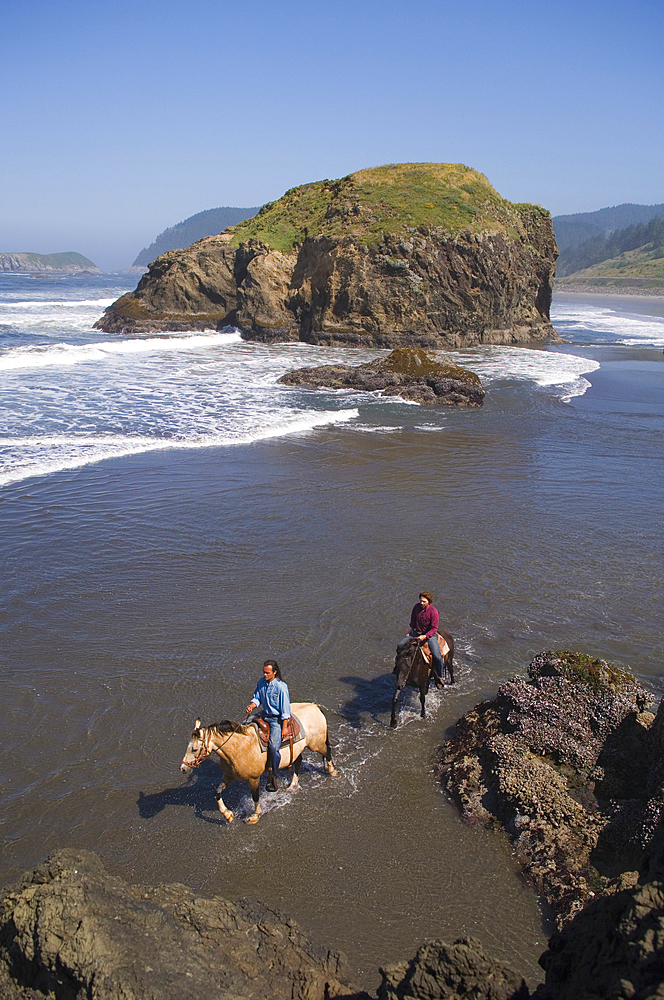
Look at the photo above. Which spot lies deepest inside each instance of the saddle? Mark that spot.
(263, 730)
(426, 652)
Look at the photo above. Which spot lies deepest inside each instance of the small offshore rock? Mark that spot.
(408, 372)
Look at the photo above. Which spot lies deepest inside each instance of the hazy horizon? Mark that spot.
(129, 119)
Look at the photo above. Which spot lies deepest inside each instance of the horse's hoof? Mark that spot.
(393, 725)
(252, 819)
(332, 771)
(229, 818)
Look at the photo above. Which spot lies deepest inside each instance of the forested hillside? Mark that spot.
(600, 247)
(207, 223)
(571, 230)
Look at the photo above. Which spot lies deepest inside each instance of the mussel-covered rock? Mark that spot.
(570, 764)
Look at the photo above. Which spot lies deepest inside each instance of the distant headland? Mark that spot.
(411, 254)
(196, 227)
(54, 263)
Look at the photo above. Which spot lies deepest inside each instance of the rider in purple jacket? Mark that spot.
(424, 620)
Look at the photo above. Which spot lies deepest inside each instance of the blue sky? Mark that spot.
(123, 118)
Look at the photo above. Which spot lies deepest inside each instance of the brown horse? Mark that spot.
(412, 669)
(242, 759)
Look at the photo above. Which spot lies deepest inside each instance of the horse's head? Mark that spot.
(197, 749)
(406, 656)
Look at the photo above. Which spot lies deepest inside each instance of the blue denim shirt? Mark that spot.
(273, 697)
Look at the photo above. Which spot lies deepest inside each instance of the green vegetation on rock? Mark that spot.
(590, 670)
(444, 197)
(418, 363)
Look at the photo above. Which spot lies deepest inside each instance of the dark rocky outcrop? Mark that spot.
(613, 949)
(572, 766)
(363, 261)
(408, 372)
(70, 931)
(445, 972)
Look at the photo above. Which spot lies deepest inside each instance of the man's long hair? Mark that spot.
(275, 667)
(429, 597)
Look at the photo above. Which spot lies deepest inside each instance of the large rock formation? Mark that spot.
(570, 764)
(412, 254)
(408, 372)
(70, 931)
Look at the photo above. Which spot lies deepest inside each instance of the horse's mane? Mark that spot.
(227, 726)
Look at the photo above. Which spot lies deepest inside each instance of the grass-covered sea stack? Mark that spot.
(415, 254)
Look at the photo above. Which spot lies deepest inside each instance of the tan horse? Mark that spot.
(241, 757)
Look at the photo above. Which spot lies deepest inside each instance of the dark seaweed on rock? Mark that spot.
(570, 764)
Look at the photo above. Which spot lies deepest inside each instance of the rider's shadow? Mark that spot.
(372, 697)
(196, 793)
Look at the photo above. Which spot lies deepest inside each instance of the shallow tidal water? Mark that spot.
(144, 589)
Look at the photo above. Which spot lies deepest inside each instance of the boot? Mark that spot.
(272, 783)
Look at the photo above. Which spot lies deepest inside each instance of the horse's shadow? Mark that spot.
(372, 698)
(196, 793)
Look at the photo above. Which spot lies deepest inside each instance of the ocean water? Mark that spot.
(170, 516)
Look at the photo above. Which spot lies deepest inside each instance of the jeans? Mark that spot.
(434, 646)
(273, 754)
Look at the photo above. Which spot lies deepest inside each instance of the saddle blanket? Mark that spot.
(264, 738)
(444, 648)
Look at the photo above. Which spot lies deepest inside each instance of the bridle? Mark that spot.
(207, 748)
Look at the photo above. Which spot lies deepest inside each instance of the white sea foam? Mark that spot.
(545, 368)
(585, 320)
(44, 355)
(45, 454)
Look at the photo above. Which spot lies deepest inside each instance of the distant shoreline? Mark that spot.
(656, 295)
(592, 288)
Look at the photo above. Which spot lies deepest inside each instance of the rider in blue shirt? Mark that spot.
(272, 696)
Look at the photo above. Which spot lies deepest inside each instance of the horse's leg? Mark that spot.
(327, 757)
(297, 764)
(450, 666)
(226, 813)
(393, 719)
(423, 694)
(254, 785)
